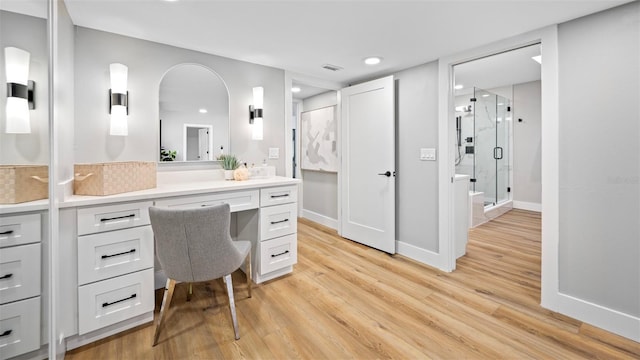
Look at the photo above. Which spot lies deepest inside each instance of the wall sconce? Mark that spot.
(20, 91)
(118, 100)
(255, 113)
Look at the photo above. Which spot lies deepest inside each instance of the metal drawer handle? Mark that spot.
(279, 196)
(118, 301)
(6, 333)
(118, 254)
(7, 232)
(8, 276)
(282, 253)
(278, 222)
(117, 217)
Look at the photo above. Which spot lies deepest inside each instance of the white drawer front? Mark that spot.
(278, 195)
(19, 272)
(112, 217)
(19, 230)
(110, 301)
(276, 221)
(19, 327)
(238, 201)
(114, 253)
(278, 253)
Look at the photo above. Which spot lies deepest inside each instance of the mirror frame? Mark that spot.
(191, 163)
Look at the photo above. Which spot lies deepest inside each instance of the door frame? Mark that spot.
(548, 39)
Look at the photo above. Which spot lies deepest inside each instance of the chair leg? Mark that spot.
(247, 267)
(166, 302)
(232, 305)
(190, 292)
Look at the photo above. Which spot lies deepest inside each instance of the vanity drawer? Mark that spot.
(19, 272)
(110, 301)
(276, 221)
(278, 253)
(113, 217)
(19, 327)
(278, 195)
(114, 253)
(19, 229)
(238, 201)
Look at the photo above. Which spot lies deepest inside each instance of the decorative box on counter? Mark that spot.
(22, 183)
(114, 177)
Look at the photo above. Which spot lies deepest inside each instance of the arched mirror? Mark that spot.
(194, 114)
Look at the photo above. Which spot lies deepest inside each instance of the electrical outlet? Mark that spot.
(274, 153)
(428, 154)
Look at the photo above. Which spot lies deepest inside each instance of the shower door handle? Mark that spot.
(497, 150)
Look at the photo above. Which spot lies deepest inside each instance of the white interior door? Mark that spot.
(203, 144)
(367, 173)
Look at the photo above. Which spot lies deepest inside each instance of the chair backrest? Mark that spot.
(194, 244)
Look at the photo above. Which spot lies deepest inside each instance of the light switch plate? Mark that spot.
(274, 153)
(428, 154)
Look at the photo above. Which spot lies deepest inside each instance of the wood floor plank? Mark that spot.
(345, 300)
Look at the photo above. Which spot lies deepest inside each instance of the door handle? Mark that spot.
(387, 174)
(495, 153)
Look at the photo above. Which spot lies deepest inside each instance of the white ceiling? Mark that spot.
(302, 35)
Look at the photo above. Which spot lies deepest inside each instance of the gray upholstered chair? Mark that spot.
(195, 245)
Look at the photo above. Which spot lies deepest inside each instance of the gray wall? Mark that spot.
(147, 62)
(417, 181)
(320, 189)
(27, 33)
(599, 57)
(526, 142)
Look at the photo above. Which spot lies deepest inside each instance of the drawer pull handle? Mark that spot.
(279, 196)
(118, 254)
(8, 276)
(278, 222)
(6, 333)
(9, 232)
(117, 217)
(282, 253)
(133, 296)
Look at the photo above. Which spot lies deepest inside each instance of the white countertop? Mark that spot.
(168, 185)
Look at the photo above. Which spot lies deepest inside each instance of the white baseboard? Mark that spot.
(418, 254)
(527, 206)
(81, 340)
(320, 219)
(608, 319)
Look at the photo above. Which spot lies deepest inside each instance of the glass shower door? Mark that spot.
(485, 169)
(501, 151)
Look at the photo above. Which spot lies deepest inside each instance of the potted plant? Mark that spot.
(229, 164)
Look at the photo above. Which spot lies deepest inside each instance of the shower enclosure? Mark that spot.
(483, 128)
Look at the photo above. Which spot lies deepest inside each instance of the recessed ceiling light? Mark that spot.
(373, 60)
(295, 89)
(458, 87)
(537, 59)
(203, 111)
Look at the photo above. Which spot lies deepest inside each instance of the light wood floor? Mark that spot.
(345, 300)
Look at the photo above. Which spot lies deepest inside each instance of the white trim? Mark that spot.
(320, 219)
(600, 316)
(419, 254)
(523, 205)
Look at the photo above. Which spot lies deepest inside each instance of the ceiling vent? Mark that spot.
(331, 67)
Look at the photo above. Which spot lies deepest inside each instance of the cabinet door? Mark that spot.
(114, 253)
(19, 272)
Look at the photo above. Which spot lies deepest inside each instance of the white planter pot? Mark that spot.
(228, 174)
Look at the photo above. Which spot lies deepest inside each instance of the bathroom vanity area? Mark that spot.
(109, 275)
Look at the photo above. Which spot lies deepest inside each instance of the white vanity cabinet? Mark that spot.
(115, 264)
(20, 283)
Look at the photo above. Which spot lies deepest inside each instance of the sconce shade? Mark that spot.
(17, 74)
(256, 113)
(118, 100)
